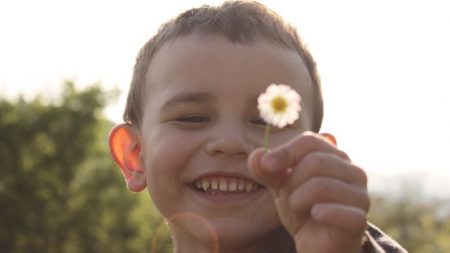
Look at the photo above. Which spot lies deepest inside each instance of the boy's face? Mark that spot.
(200, 124)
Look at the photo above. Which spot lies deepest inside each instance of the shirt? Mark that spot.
(376, 241)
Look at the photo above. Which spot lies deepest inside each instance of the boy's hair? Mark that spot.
(238, 21)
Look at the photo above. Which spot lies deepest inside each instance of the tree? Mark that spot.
(59, 189)
(418, 224)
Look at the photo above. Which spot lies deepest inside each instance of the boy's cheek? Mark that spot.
(282, 137)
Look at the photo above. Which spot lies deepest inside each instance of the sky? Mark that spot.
(384, 65)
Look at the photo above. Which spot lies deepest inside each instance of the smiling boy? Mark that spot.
(193, 132)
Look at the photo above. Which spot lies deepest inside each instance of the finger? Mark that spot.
(320, 164)
(291, 221)
(329, 190)
(269, 179)
(289, 154)
(351, 219)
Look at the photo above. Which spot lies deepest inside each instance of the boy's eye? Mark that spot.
(258, 121)
(261, 122)
(194, 119)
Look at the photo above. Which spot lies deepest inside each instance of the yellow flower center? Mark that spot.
(279, 104)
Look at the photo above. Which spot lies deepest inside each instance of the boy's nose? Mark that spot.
(229, 142)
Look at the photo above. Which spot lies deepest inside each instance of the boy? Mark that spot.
(192, 131)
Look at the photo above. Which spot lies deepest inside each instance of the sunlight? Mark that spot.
(383, 65)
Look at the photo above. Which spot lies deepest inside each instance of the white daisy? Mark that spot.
(279, 105)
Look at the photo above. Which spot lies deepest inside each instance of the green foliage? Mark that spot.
(419, 225)
(61, 193)
(59, 189)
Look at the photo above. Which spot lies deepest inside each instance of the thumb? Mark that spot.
(261, 168)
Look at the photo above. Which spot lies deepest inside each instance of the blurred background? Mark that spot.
(65, 67)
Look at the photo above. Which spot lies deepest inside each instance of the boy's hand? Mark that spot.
(321, 197)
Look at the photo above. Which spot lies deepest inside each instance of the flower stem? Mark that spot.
(266, 137)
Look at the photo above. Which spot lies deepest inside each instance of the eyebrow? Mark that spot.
(187, 97)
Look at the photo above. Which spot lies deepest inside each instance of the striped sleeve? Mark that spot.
(376, 241)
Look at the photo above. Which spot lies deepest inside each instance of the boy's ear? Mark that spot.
(329, 137)
(125, 150)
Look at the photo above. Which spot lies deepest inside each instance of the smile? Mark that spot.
(224, 185)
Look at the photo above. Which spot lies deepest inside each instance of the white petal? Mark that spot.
(276, 118)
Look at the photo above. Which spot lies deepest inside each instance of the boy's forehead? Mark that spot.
(199, 58)
(198, 44)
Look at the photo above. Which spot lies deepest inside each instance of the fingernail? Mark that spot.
(269, 163)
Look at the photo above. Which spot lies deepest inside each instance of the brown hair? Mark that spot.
(238, 21)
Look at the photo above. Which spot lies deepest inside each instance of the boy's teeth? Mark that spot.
(225, 184)
(205, 184)
(248, 186)
(232, 186)
(241, 185)
(214, 184)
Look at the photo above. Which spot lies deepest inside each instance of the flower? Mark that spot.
(279, 105)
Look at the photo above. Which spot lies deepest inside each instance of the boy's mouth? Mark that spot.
(225, 185)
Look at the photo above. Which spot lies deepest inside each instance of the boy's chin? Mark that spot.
(219, 233)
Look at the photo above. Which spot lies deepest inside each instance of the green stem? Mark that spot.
(266, 137)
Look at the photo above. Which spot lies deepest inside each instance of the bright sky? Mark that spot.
(384, 64)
